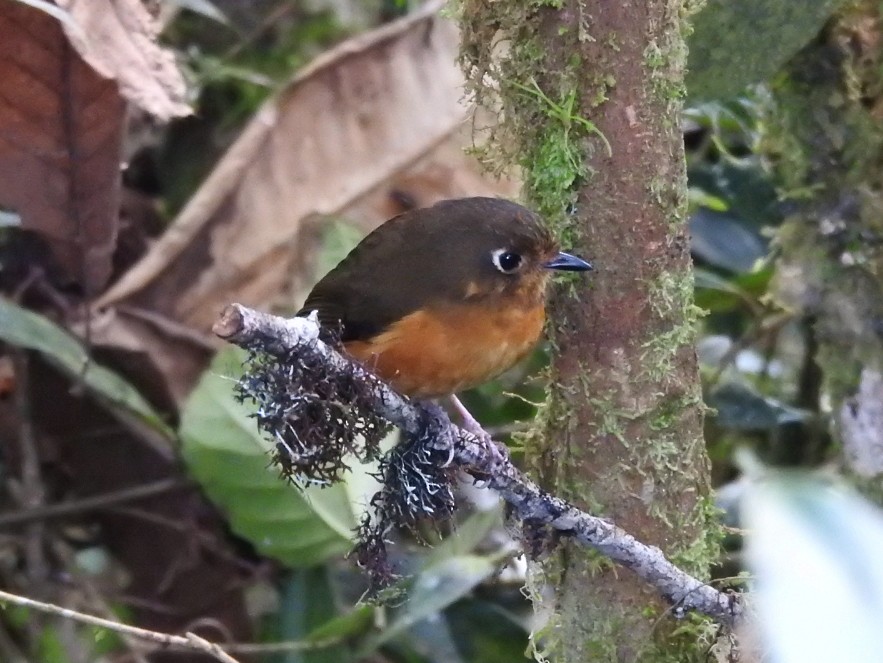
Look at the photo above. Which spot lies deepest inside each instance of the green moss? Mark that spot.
(553, 167)
(698, 555)
(666, 415)
(688, 9)
(555, 160)
(671, 297)
(665, 62)
(842, 372)
(610, 418)
(602, 646)
(654, 56)
(552, 412)
(611, 638)
(657, 186)
(542, 132)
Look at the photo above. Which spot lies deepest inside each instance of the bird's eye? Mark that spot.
(506, 261)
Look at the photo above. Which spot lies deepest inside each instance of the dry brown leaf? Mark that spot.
(353, 118)
(60, 135)
(119, 39)
(164, 358)
(445, 171)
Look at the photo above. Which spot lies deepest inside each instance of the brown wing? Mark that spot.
(376, 284)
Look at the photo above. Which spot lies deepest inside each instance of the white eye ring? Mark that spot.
(506, 261)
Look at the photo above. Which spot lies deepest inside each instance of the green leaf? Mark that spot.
(740, 407)
(466, 537)
(488, 632)
(51, 647)
(427, 641)
(338, 240)
(743, 186)
(308, 603)
(226, 453)
(722, 240)
(700, 198)
(26, 329)
(433, 590)
(815, 552)
(352, 623)
(718, 294)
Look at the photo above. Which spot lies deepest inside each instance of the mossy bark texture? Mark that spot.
(745, 42)
(590, 93)
(825, 140)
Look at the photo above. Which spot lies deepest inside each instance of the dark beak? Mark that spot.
(568, 263)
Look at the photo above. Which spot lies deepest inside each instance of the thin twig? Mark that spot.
(278, 336)
(187, 641)
(92, 503)
(32, 492)
(282, 647)
(95, 601)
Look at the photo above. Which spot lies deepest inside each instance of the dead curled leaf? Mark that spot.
(61, 128)
(342, 127)
(118, 38)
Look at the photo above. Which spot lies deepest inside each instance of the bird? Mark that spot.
(441, 299)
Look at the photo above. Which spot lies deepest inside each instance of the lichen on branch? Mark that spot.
(435, 450)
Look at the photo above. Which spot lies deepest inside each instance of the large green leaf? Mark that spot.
(815, 552)
(740, 187)
(26, 329)
(307, 604)
(226, 453)
(356, 621)
(489, 631)
(741, 407)
(722, 240)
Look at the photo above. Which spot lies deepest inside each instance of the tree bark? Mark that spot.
(825, 139)
(591, 93)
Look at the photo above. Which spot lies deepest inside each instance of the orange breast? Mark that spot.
(440, 351)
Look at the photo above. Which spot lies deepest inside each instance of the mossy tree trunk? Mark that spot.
(591, 93)
(825, 139)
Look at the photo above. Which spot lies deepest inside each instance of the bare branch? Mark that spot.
(188, 641)
(91, 503)
(259, 331)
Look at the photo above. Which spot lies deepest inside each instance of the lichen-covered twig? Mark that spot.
(280, 336)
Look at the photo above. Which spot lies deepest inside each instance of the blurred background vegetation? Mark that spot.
(256, 562)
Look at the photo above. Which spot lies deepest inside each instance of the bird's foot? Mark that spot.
(497, 453)
(469, 422)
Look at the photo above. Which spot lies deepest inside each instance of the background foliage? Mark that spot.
(126, 397)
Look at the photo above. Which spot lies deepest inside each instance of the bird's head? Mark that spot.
(496, 248)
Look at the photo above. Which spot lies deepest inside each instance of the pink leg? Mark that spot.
(470, 423)
(497, 451)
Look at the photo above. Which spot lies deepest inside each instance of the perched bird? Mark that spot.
(441, 299)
